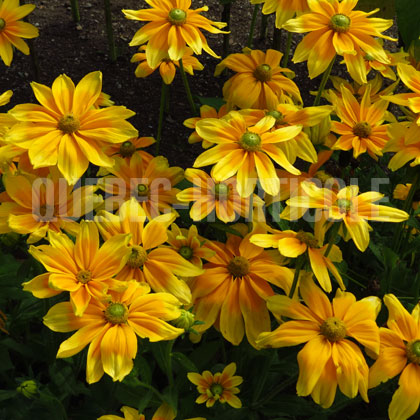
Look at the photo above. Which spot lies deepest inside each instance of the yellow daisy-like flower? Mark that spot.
(232, 292)
(167, 67)
(328, 358)
(361, 127)
(5, 97)
(259, 82)
(284, 9)
(110, 328)
(83, 268)
(12, 29)
(401, 193)
(350, 207)
(246, 150)
(222, 386)
(164, 412)
(66, 130)
(172, 26)
(399, 353)
(335, 28)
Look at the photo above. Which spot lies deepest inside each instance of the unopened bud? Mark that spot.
(28, 388)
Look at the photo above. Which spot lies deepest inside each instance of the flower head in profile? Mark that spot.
(66, 130)
(172, 26)
(164, 412)
(328, 358)
(12, 29)
(335, 28)
(399, 354)
(221, 386)
(110, 327)
(259, 82)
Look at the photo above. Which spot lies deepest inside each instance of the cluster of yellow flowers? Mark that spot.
(130, 271)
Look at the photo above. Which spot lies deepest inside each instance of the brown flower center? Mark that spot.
(116, 313)
(216, 390)
(221, 191)
(68, 124)
(127, 149)
(238, 266)
(186, 252)
(251, 142)
(333, 329)
(362, 129)
(177, 16)
(2, 24)
(263, 73)
(308, 239)
(340, 23)
(413, 351)
(142, 190)
(344, 205)
(84, 276)
(137, 257)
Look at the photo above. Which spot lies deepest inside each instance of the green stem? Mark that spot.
(252, 28)
(263, 29)
(333, 234)
(163, 95)
(284, 384)
(299, 264)
(187, 89)
(287, 52)
(226, 18)
(109, 30)
(75, 10)
(34, 60)
(324, 81)
(168, 357)
(276, 38)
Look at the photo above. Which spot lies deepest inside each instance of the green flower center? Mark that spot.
(68, 124)
(142, 190)
(340, 23)
(216, 389)
(333, 329)
(137, 257)
(413, 352)
(84, 276)
(127, 149)
(186, 252)
(251, 142)
(221, 191)
(238, 266)
(362, 129)
(344, 205)
(2, 24)
(177, 16)
(308, 239)
(263, 73)
(277, 115)
(116, 313)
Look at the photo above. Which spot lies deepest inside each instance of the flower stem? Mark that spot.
(299, 264)
(109, 31)
(75, 10)
(276, 38)
(287, 52)
(226, 18)
(187, 88)
(263, 28)
(324, 81)
(34, 60)
(333, 234)
(163, 95)
(252, 28)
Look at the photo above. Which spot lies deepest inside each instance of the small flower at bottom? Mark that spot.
(218, 387)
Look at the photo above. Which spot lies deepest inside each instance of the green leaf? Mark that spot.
(216, 103)
(387, 7)
(408, 18)
(6, 394)
(185, 362)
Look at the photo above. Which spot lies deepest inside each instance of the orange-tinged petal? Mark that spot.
(231, 321)
(38, 286)
(315, 298)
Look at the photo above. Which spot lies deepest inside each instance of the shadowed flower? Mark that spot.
(220, 387)
(164, 412)
(401, 192)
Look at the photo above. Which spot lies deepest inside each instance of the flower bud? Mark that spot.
(28, 388)
(185, 321)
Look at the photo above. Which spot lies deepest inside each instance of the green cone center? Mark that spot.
(84, 276)
(177, 16)
(137, 257)
(186, 252)
(277, 115)
(221, 191)
(142, 190)
(308, 239)
(69, 124)
(333, 329)
(344, 205)
(340, 23)
(413, 352)
(238, 266)
(216, 389)
(263, 73)
(362, 129)
(2, 24)
(251, 142)
(116, 313)
(127, 149)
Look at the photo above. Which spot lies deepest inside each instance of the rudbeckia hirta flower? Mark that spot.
(246, 150)
(172, 26)
(335, 28)
(82, 268)
(222, 386)
(164, 412)
(110, 327)
(259, 82)
(66, 130)
(12, 29)
(399, 353)
(350, 207)
(401, 192)
(328, 358)
(361, 127)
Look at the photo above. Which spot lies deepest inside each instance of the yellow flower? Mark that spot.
(258, 82)
(399, 353)
(246, 150)
(66, 130)
(336, 29)
(232, 292)
(284, 9)
(36, 208)
(292, 244)
(110, 327)
(328, 358)
(172, 26)
(147, 262)
(167, 67)
(5, 97)
(222, 386)
(81, 268)
(164, 412)
(401, 193)
(349, 207)
(12, 29)
(361, 127)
